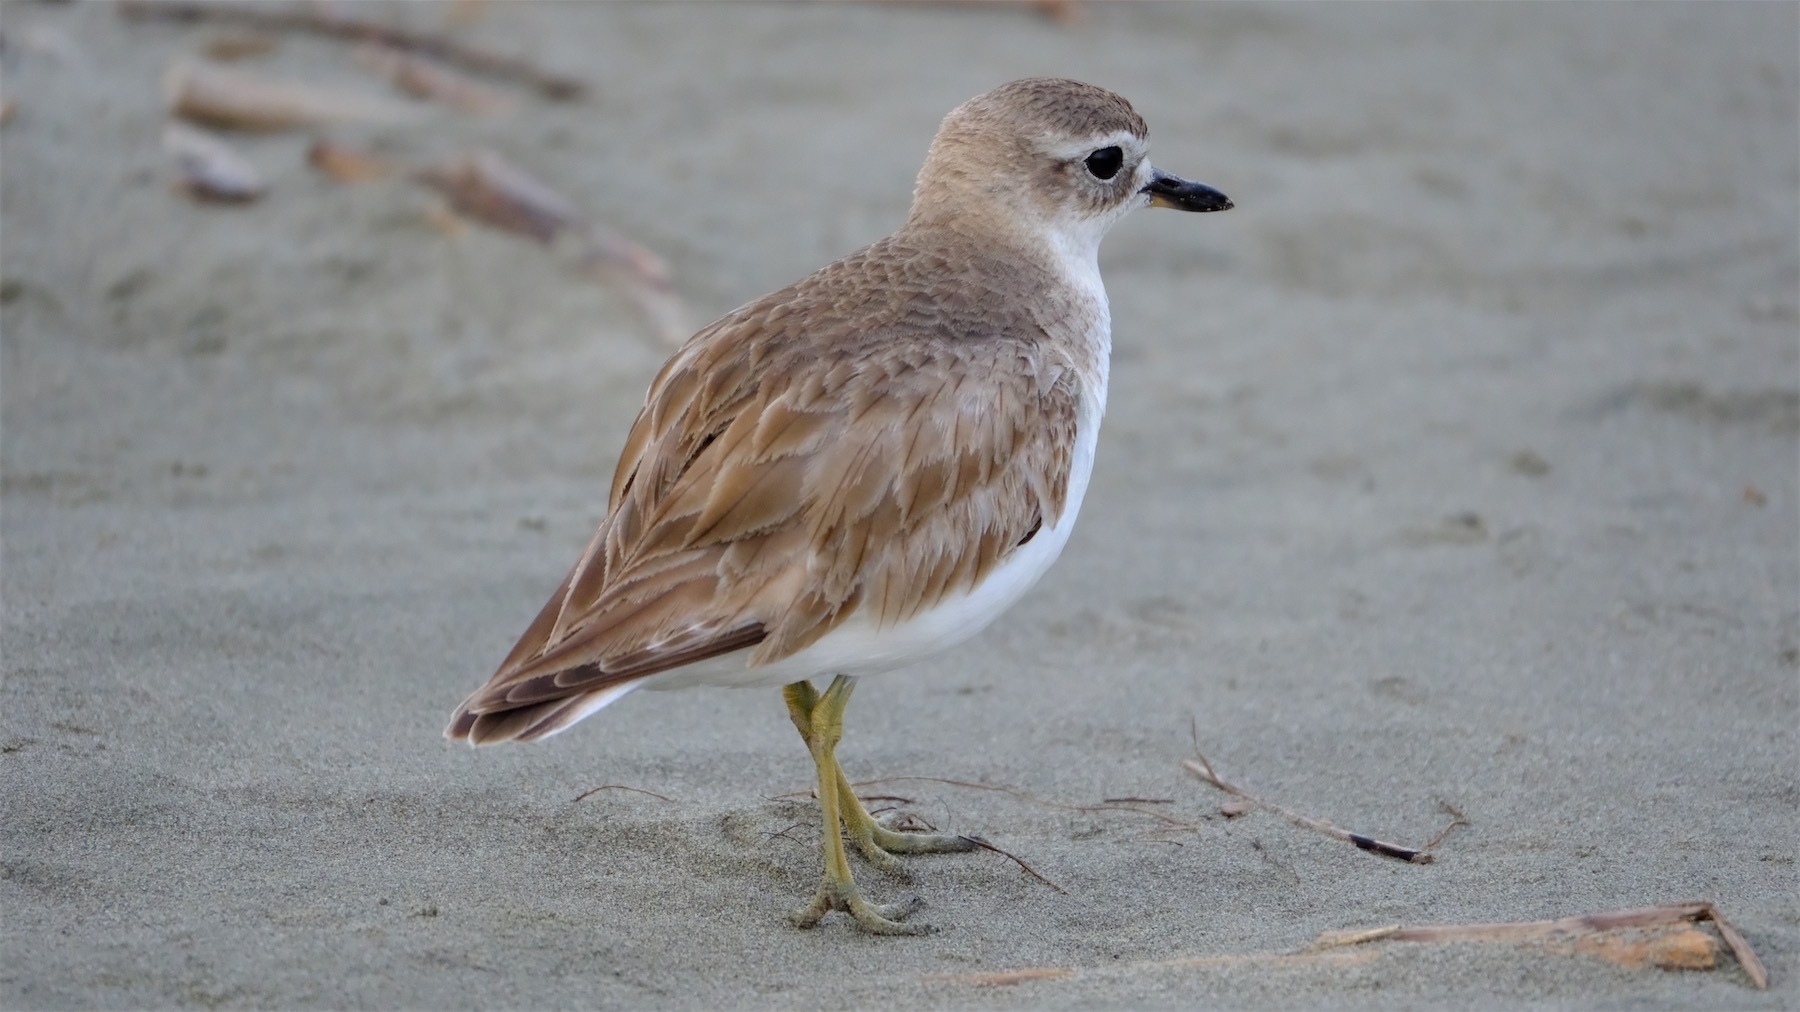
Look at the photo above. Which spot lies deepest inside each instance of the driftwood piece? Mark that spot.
(229, 47)
(487, 188)
(345, 164)
(427, 79)
(498, 194)
(231, 100)
(1672, 942)
(208, 169)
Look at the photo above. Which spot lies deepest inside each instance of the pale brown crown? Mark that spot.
(1051, 105)
(1012, 160)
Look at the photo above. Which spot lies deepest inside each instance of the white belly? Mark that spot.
(857, 647)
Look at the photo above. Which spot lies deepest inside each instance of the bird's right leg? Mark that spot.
(822, 728)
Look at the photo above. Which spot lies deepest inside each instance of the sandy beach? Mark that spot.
(1459, 464)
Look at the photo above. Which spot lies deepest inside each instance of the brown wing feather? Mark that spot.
(886, 456)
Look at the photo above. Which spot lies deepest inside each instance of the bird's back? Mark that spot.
(863, 446)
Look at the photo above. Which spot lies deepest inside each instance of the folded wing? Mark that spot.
(773, 486)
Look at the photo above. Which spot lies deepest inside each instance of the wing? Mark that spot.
(776, 483)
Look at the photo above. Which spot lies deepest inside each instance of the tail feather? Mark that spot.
(531, 721)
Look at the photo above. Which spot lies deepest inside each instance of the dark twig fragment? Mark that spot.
(1035, 800)
(787, 833)
(1014, 858)
(1202, 768)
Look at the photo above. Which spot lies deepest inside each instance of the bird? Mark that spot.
(865, 468)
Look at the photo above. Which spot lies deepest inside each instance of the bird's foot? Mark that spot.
(878, 840)
(879, 843)
(875, 918)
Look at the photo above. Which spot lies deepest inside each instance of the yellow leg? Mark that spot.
(820, 720)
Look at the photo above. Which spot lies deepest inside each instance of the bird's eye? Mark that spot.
(1105, 163)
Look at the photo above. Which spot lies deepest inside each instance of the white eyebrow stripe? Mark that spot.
(1129, 142)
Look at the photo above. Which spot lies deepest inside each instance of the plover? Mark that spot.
(866, 467)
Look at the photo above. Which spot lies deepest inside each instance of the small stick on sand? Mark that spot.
(621, 787)
(1035, 800)
(1005, 978)
(1202, 768)
(1457, 818)
(782, 834)
(286, 19)
(1014, 858)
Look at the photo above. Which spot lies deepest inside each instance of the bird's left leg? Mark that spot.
(822, 728)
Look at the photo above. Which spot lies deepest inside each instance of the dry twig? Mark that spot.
(1004, 978)
(1014, 858)
(783, 834)
(1035, 800)
(620, 787)
(1202, 768)
(290, 19)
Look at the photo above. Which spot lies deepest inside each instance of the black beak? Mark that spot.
(1173, 191)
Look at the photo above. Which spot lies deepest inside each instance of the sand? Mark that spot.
(1457, 463)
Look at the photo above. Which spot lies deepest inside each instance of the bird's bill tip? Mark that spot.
(1175, 192)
